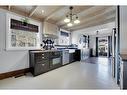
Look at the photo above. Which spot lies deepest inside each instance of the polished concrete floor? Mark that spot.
(78, 75)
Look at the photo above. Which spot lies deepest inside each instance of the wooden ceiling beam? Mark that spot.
(33, 11)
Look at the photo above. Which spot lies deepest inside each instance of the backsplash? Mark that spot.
(48, 44)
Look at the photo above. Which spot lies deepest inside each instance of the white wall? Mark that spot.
(104, 30)
(10, 60)
(123, 29)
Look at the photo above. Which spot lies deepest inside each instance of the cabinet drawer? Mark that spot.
(41, 68)
(44, 55)
(55, 54)
(41, 61)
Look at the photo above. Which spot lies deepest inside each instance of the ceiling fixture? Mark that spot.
(69, 24)
(71, 18)
(42, 11)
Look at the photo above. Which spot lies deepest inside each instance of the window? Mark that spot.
(84, 41)
(64, 34)
(20, 36)
(64, 38)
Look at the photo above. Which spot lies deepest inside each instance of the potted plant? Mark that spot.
(25, 21)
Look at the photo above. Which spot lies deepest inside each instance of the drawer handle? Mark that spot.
(42, 54)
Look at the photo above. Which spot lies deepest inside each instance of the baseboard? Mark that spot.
(14, 73)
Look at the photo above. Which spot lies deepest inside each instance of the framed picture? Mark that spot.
(20, 36)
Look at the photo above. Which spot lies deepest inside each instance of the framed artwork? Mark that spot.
(20, 36)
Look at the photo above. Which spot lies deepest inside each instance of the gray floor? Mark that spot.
(78, 75)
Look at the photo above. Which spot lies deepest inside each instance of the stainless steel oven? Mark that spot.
(55, 59)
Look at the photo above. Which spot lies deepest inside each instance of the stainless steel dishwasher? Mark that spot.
(65, 58)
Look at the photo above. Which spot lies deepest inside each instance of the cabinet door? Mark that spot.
(72, 57)
(41, 67)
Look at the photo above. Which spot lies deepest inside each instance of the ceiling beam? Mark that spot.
(53, 13)
(33, 11)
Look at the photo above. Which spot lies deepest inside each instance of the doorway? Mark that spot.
(103, 47)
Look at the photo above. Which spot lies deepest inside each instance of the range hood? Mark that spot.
(51, 36)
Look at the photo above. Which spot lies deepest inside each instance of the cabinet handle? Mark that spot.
(42, 54)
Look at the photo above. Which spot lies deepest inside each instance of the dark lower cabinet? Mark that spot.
(77, 55)
(41, 68)
(41, 62)
(71, 57)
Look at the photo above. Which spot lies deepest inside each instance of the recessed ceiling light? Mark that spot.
(42, 11)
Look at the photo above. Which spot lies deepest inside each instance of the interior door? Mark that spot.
(96, 46)
(113, 51)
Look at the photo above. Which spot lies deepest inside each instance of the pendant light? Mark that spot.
(77, 21)
(71, 18)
